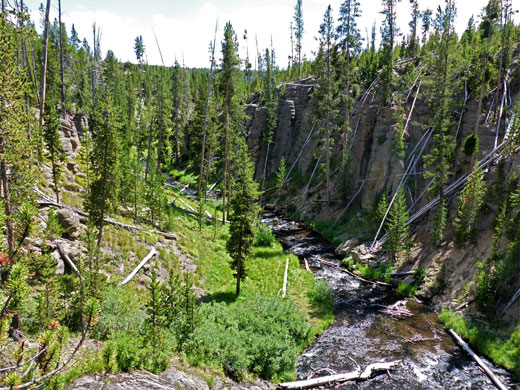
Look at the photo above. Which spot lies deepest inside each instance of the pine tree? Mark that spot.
(271, 111)
(244, 215)
(228, 87)
(180, 93)
(389, 32)
(105, 157)
(16, 159)
(280, 176)
(298, 32)
(416, 14)
(325, 97)
(440, 222)
(350, 40)
(381, 208)
(397, 227)
(470, 200)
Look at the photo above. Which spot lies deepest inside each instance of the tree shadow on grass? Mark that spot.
(220, 296)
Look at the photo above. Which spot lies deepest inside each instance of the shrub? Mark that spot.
(419, 275)
(263, 335)
(119, 312)
(264, 236)
(321, 294)
(406, 290)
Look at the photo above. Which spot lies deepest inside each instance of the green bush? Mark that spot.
(264, 236)
(419, 275)
(321, 294)
(406, 290)
(119, 312)
(128, 350)
(263, 335)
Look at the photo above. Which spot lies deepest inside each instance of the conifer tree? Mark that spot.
(228, 87)
(244, 214)
(350, 40)
(280, 176)
(325, 97)
(416, 14)
(298, 32)
(397, 226)
(381, 208)
(271, 111)
(104, 161)
(180, 93)
(389, 32)
(15, 148)
(470, 200)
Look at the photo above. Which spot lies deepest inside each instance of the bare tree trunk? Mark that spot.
(61, 59)
(43, 79)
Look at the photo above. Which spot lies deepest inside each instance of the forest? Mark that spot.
(145, 208)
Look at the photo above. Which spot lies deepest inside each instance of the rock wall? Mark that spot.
(373, 129)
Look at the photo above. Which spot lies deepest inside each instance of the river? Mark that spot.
(362, 334)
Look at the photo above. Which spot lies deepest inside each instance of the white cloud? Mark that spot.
(188, 34)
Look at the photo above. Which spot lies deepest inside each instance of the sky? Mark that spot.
(184, 29)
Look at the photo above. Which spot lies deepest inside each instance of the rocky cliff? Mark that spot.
(451, 270)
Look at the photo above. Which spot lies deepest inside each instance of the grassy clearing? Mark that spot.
(503, 348)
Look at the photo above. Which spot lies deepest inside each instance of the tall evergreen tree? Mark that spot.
(105, 156)
(244, 214)
(325, 97)
(228, 88)
(270, 99)
(298, 32)
(15, 148)
(350, 40)
(389, 33)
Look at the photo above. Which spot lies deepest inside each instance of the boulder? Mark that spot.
(345, 247)
(362, 254)
(69, 220)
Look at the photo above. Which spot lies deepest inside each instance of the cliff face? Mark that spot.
(450, 270)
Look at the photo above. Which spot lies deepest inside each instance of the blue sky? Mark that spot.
(185, 28)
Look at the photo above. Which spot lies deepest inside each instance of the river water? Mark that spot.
(362, 334)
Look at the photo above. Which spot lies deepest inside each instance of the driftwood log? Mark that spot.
(152, 253)
(356, 375)
(497, 382)
(284, 287)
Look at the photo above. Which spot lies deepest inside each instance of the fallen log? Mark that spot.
(306, 264)
(152, 253)
(284, 287)
(110, 221)
(497, 382)
(66, 257)
(356, 375)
